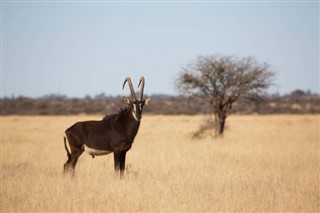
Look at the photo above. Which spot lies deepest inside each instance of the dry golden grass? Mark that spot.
(264, 163)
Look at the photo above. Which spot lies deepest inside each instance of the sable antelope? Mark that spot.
(114, 133)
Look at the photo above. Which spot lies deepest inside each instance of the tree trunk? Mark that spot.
(220, 120)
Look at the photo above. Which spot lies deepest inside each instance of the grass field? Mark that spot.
(263, 163)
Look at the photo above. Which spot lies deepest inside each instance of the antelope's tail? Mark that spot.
(65, 139)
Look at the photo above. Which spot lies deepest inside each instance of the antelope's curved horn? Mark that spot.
(142, 88)
(133, 94)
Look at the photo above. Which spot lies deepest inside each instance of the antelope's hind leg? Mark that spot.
(73, 157)
(71, 163)
(67, 165)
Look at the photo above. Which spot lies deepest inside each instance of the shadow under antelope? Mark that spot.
(114, 133)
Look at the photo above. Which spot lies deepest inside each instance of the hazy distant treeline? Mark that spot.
(298, 102)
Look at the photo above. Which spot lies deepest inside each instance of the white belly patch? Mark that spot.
(94, 152)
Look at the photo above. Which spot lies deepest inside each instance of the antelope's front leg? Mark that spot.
(120, 161)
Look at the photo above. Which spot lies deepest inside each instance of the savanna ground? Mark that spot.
(263, 163)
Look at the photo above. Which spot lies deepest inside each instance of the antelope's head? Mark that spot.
(136, 105)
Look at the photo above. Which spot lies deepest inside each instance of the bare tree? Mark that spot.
(222, 80)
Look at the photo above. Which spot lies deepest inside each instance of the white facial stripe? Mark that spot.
(134, 108)
(140, 106)
(134, 111)
(134, 115)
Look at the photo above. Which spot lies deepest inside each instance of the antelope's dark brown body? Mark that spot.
(113, 134)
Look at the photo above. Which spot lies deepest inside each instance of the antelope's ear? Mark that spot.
(126, 100)
(147, 101)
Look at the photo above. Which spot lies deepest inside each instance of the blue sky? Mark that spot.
(86, 48)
